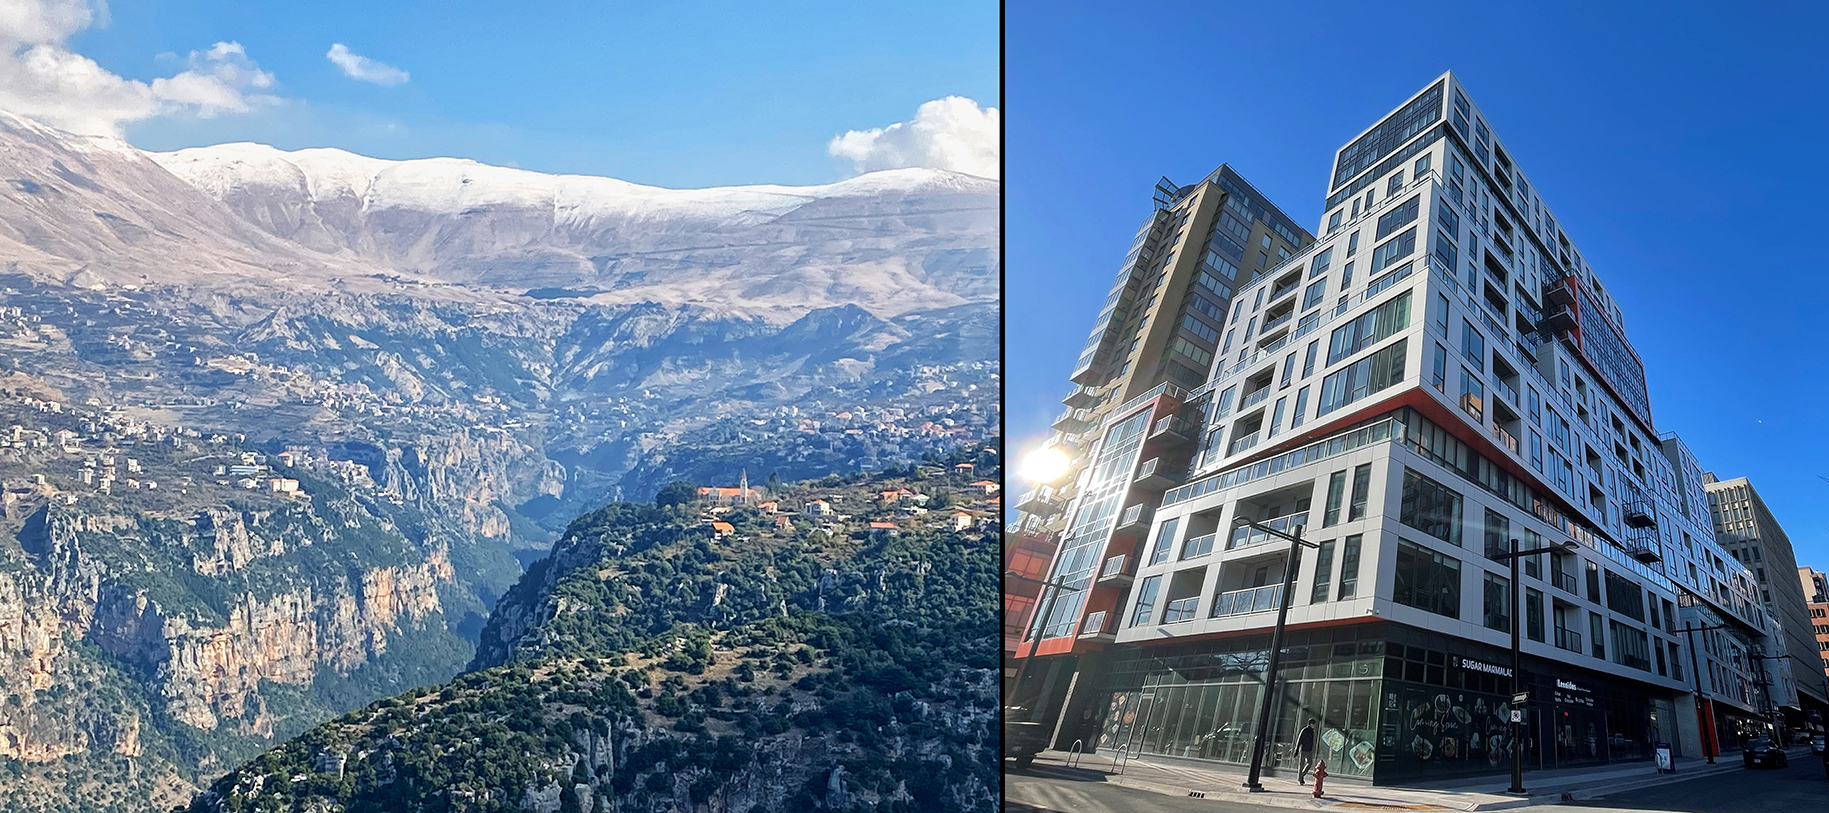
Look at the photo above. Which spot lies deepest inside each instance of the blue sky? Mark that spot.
(1681, 148)
(675, 94)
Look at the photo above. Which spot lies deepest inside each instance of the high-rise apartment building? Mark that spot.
(1816, 591)
(1437, 375)
(1793, 666)
(1154, 338)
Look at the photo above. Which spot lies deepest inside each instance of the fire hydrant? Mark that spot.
(1320, 774)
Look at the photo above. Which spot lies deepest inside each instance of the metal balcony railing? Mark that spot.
(1506, 439)
(1568, 639)
(1095, 624)
(1565, 581)
(1247, 536)
(1181, 609)
(1113, 566)
(1253, 399)
(1242, 444)
(1249, 600)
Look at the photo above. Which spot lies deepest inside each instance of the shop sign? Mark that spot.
(1479, 666)
(1566, 693)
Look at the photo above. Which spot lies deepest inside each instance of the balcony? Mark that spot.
(1098, 627)
(1248, 600)
(1506, 439)
(1506, 391)
(1084, 398)
(1155, 475)
(1172, 430)
(1562, 320)
(1278, 322)
(1565, 582)
(1253, 399)
(1637, 514)
(1135, 521)
(1641, 544)
(1558, 295)
(1181, 609)
(1247, 536)
(1114, 573)
(1040, 501)
(1242, 444)
(1198, 546)
(1284, 291)
(1568, 639)
(1072, 421)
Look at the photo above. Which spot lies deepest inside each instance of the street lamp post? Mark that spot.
(1517, 667)
(1022, 666)
(1695, 669)
(1276, 646)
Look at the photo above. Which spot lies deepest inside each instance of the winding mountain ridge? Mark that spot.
(278, 430)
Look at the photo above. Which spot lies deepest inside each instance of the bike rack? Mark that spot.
(1076, 753)
(1120, 759)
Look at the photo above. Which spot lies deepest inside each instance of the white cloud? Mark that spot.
(41, 78)
(952, 133)
(363, 69)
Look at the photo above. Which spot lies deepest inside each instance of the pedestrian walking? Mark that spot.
(1305, 748)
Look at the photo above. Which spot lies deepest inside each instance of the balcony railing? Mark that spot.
(1253, 399)
(1568, 639)
(1565, 581)
(1094, 624)
(1277, 322)
(1247, 536)
(1506, 391)
(1329, 315)
(1198, 546)
(1181, 609)
(1242, 444)
(1113, 566)
(1165, 388)
(1249, 600)
(1506, 439)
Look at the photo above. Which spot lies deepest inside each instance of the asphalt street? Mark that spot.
(1800, 788)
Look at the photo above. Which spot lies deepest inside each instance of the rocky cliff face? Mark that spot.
(648, 666)
(151, 647)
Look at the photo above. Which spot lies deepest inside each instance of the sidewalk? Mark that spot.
(1221, 781)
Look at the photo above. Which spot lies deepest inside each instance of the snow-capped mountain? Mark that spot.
(890, 241)
(90, 210)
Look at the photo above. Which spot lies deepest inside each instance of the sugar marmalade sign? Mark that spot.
(1479, 666)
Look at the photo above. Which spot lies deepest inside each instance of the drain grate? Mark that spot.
(1197, 794)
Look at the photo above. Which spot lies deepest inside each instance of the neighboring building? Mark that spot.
(1792, 663)
(1438, 375)
(1026, 556)
(816, 508)
(1816, 591)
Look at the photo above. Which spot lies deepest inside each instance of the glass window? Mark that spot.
(1533, 614)
(1319, 266)
(1225, 401)
(1352, 243)
(1301, 408)
(1324, 572)
(1346, 278)
(1369, 328)
(1446, 252)
(1364, 377)
(1394, 249)
(1536, 442)
(1625, 597)
(1336, 493)
(1473, 395)
(1439, 373)
(1308, 362)
(1431, 507)
(1494, 612)
(1349, 566)
(1165, 540)
(1427, 580)
(1362, 485)
(1449, 221)
(1276, 416)
(1313, 295)
(1333, 221)
(1473, 345)
(1146, 601)
(1536, 405)
(1594, 584)
(1397, 218)
(1442, 310)
(1422, 166)
(1395, 185)
(1498, 534)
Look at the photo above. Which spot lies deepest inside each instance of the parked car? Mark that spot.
(1818, 743)
(1764, 752)
(1022, 740)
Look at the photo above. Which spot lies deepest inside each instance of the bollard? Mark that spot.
(1320, 774)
